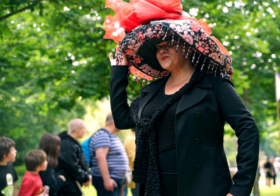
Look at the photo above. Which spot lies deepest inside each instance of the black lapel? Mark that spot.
(195, 95)
(191, 98)
(188, 100)
(150, 91)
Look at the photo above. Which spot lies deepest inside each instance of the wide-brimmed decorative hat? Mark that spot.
(140, 25)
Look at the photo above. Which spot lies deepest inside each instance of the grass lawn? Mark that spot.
(273, 191)
(265, 191)
(92, 192)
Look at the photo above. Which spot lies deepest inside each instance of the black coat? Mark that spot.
(52, 180)
(71, 164)
(199, 128)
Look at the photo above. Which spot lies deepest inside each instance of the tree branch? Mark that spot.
(36, 2)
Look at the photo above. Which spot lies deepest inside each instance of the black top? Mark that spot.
(165, 128)
(166, 141)
(268, 165)
(71, 164)
(51, 179)
(8, 176)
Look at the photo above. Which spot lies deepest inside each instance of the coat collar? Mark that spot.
(187, 100)
(204, 83)
(151, 90)
(154, 85)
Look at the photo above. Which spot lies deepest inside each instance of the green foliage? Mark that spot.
(250, 31)
(53, 57)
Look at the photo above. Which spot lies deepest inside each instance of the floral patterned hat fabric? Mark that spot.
(139, 44)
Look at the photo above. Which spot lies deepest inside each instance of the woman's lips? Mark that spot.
(163, 58)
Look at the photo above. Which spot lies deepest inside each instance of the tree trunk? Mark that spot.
(256, 189)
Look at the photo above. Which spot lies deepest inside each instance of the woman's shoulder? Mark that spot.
(215, 81)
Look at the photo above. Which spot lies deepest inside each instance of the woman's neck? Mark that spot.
(181, 75)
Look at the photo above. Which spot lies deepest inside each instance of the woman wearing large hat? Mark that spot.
(179, 117)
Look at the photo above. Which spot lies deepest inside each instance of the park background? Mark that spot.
(54, 67)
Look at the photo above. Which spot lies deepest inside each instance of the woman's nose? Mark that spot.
(163, 49)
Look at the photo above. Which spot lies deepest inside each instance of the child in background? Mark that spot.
(8, 175)
(32, 185)
(51, 145)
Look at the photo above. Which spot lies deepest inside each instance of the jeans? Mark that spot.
(98, 183)
(133, 191)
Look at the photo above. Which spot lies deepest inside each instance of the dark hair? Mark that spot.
(5, 146)
(133, 129)
(34, 158)
(50, 143)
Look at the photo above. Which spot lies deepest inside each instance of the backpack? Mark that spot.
(86, 147)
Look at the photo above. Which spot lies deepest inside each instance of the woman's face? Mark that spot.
(167, 56)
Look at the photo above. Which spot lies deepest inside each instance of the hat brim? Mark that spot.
(140, 45)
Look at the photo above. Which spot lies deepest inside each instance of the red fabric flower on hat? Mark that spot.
(137, 12)
(112, 28)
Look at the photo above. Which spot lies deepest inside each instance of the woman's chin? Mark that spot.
(165, 66)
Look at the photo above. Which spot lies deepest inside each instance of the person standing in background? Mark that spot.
(8, 175)
(32, 185)
(71, 162)
(270, 172)
(130, 148)
(50, 144)
(109, 160)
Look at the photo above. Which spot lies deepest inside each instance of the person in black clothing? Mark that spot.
(71, 161)
(8, 175)
(180, 118)
(50, 144)
(270, 171)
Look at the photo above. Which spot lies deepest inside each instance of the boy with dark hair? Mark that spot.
(31, 185)
(8, 175)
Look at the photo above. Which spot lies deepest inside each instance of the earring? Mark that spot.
(188, 53)
(177, 47)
